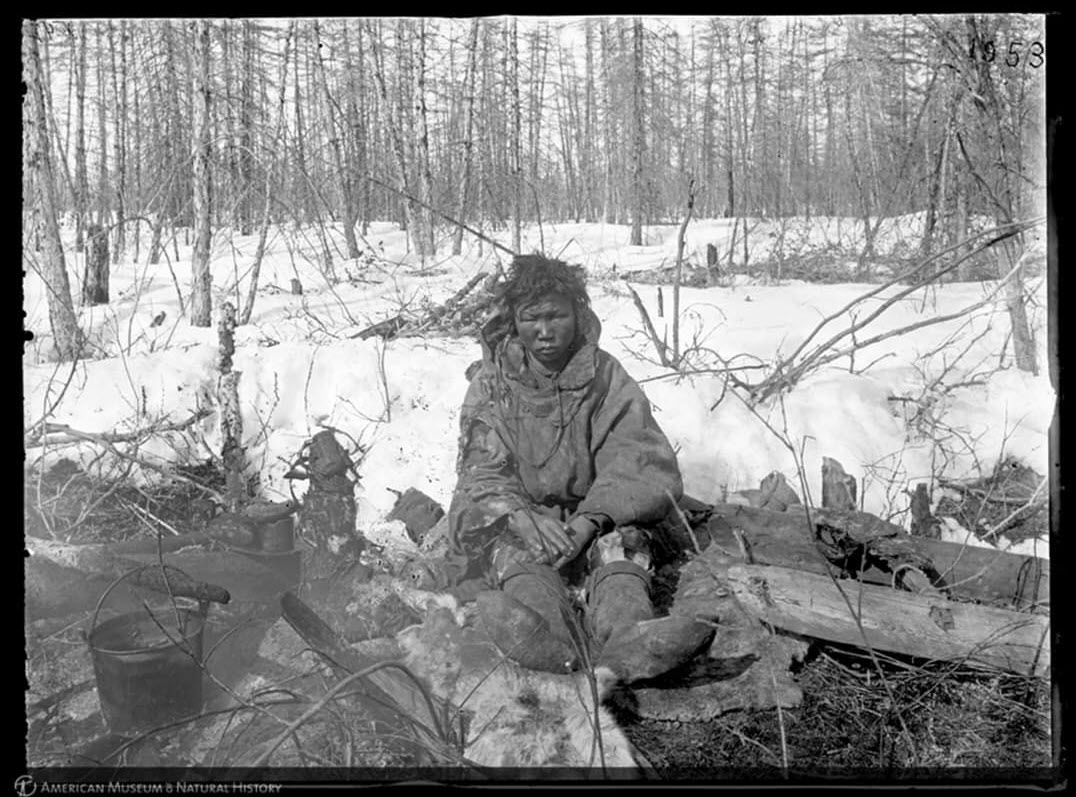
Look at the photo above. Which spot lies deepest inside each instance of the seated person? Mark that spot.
(561, 469)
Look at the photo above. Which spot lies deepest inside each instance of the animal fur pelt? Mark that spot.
(518, 718)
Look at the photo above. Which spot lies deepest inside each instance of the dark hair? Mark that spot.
(532, 276)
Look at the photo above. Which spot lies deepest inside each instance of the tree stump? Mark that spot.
(711, 256)
(327, 516)
(232, 454)
(838, 488)
(95, 285)
(924, 524)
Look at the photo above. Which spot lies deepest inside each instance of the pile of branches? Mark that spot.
(691, 277)
(461, 314)
(66, 503)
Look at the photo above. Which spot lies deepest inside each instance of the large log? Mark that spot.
(892, 620)
(63, 578)
(99, 561)
(856, 543)
(164, 545)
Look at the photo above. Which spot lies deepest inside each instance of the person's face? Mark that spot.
(546, 328)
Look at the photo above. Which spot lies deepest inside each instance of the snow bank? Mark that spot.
(398, 402)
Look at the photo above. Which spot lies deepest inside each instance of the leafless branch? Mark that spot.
(59, 433)
(794, 367)
(659, 345)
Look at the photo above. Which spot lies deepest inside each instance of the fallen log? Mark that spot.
(891, 620)
(428, 726)
(861, 545)
(98, 561)
(164, 545)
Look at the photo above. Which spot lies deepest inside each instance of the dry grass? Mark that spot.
(959, 719)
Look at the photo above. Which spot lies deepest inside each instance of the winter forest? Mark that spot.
(821, 245)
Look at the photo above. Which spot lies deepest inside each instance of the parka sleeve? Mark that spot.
(635, 466)
(488, 485)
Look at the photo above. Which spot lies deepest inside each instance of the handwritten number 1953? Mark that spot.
(987, 51)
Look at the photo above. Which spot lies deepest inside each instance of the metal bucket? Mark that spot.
(278, 536)
(148, 670)
(287, 564)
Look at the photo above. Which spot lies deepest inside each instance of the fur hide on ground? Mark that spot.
(517, 717)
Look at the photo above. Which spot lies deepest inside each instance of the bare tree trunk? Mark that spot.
(119, 89)
(1009, 165)
(363, 125)
(82, 182)
(569, 121)
(517, 123)
(263, 232)
(246, 138)
(711, 201)
(354, 142)
(586, 156)
(937, 198)
(337, 146)
(302, 191)
(102, 129)
(424, 236)
(539, 63)
(1023, 343)
(637, 134)
(760, 135)
(394, 128)
(312, 178)
(67, 338)
(608, 200)
(95, 283)
(468, 142)
(201, 279)
(61, 144)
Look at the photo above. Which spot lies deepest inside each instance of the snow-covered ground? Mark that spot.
(301, 371)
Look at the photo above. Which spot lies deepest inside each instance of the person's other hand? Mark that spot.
(582, 530)
(544, 536)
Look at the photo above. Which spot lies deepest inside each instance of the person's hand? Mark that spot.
(544, 536)
(582, 530)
